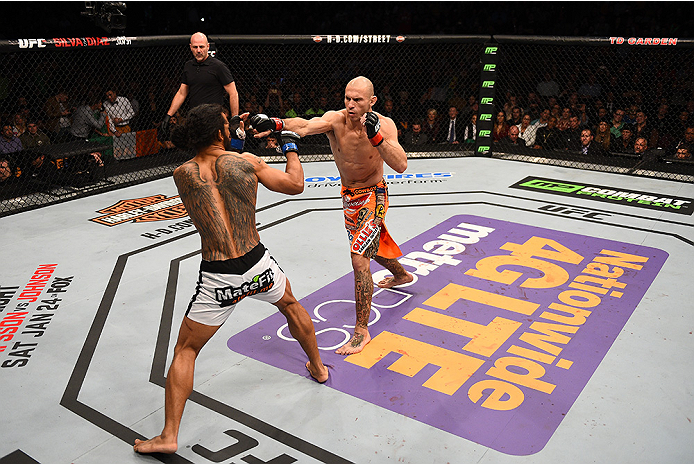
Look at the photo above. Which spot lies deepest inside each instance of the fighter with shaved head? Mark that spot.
(361, 141)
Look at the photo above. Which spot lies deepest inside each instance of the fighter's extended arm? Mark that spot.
(264, 124)
(383, 134)
(291, 181)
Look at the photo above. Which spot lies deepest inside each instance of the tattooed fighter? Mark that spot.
(361, 140)
(219, 190)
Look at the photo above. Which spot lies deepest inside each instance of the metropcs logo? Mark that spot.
(387, 177)
(146, 209)
(636, 198)
(493, 341)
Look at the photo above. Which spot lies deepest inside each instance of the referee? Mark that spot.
(206, 79)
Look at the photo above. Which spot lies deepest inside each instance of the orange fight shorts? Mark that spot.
(365, 210)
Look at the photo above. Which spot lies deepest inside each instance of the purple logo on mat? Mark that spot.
(493, 341)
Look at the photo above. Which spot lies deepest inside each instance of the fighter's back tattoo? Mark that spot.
(223, 207)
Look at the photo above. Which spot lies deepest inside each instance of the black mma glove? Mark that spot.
(373, 126)
(261, 123)
(163, 132)
(289, 141)
(238, 135)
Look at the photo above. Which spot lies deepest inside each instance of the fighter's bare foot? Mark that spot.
(355, 345)
(320, 376)
(155, 445)
(390, 282)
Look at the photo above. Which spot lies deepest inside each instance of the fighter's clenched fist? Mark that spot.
(373, 126)
(261, 123)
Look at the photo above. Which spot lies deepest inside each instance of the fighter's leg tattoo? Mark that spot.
(363, 290)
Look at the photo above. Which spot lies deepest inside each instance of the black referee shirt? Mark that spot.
(206, 81)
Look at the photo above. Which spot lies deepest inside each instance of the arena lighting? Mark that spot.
(108, 15)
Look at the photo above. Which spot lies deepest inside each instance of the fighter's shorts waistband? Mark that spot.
(236, 266)
(362, 190)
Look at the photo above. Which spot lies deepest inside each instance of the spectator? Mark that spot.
(511, 103)
(296, 107)
(683, 153)
(588, 147)
(617, 123)
(415, 136)
(319, 109)
(119, 112)
(254, 105)
(641, 147)
(625, 143)
(500, 126)
(432, 125)
(684, 122)
(84, 121)
(527, 131)
(572, 135)
(34, 137)
(563, 122)
(271, 142)
(688, 140)
(642, 128)
(388, 109)
(20, 125)
(471, 107)
(449, 132)
(548, 137)
(533, 108)
(556, 112)
(630, 114)
(471, 129)
(543, 119)
(603, 136)
(512, 142)
(58, 116)
(516, 116)
(9, 143)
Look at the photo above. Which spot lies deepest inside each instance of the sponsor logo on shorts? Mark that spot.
(146, 209)
(640, 199)
(231, 295)
(354, 204)
(366, 236)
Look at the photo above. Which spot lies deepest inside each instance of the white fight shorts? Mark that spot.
(222, 284)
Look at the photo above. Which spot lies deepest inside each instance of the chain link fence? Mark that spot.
(49, 86)
(599, 104)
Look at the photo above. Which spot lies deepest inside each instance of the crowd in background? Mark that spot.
(627, 98)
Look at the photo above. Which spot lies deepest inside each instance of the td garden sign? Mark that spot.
(636, 198)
